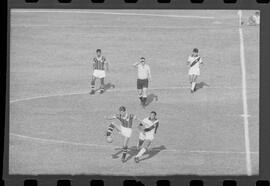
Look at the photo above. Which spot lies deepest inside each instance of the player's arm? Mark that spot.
(149, 73)
(201, 62)
(157, 124)
(93, 64)
(136, 64)
(188, 61)
(107, 66)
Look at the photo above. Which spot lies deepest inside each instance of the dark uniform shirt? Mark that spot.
(99, 63)
(126, 120)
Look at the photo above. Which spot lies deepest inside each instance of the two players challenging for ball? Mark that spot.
(147, 129)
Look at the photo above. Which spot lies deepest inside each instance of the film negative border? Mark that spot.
(264, 175)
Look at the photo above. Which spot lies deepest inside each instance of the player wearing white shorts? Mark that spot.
(148, 128)
(100, 65)
(194, 62)
(253, 20)
(125, 128)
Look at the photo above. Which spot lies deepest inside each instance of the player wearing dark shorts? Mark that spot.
(144, 75)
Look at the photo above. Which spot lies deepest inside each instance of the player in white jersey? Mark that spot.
(194, 61)
(148, 128)
(144, 76)
(254, 19)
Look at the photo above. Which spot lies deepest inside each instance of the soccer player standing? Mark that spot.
(125, 128)
(144, 75)
(100, 65)
(148, 129)
(194, 61)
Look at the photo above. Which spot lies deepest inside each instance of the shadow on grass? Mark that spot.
(132, 152)
(150, 99)
(201, 85)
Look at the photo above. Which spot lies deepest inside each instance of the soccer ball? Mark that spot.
(109, 139)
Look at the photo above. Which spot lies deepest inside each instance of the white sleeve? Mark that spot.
(189, 59)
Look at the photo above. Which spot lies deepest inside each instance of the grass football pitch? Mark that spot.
(56, 127)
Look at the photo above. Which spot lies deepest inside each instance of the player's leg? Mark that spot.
(144, 95)
(190, 78)
(139, 89)
(125, 149)
(144, 92)
(111, 128)
(102, 85)
(93, 85)
(144, 149)
(193, 85)
(141, 140)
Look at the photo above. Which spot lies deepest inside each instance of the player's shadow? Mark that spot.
(108, 86)
(150, 99)
(152, 152)
(201, 85)
(132, 152)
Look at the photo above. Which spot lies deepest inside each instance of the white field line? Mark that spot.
(117, 27)
(106, 147)
(111, 90)
(244, 96)
(110, 13)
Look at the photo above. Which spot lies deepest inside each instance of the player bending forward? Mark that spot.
(125, 128)
(194, 61)
(144, 75)
(100, 66)
(148, 129)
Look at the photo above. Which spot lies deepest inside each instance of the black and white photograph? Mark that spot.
(134, 92)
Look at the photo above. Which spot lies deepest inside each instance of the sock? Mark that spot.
(193, 86)
(140, 143)
(110, 129)
(142, 151)
(124, 152)
(93, 84)
(102, 83)
(144, 99)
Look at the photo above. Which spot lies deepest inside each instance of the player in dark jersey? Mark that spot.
(124, 128)
(100, 67)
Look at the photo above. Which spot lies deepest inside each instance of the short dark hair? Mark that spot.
(122, 108)
(154, 112)
(196, 50)
(98, 50)
(143, 58)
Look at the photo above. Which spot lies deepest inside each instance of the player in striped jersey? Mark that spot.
(124, 128)
(194, 62)
(148, 128)
(100, 66)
